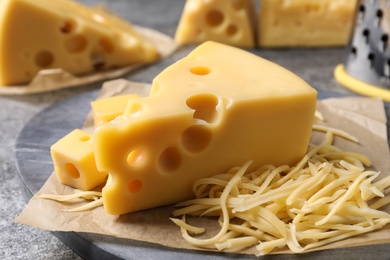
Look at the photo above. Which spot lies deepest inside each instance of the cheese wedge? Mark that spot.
(74, 161)
(305, 23)
(213, 110)
(107, 109)
(230, 22)
(43, 34)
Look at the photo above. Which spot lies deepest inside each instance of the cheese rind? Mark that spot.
(44, 34)
(305, 23)
(230, 22)
(227, 107)
(74, 161)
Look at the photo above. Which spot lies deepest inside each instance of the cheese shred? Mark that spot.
(94, 196)
(326, 197)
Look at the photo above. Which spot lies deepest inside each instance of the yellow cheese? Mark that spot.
(44, 34)
(229, 21)
(74, 161)
(305, 23)
(106, 109)
(215, 109)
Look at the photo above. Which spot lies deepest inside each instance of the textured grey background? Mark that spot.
(22, 242)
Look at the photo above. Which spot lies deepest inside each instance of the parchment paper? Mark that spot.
(364, 118)
(55, 79)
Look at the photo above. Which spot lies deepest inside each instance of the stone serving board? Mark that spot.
(35, 166)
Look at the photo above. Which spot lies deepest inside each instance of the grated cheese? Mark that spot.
(326, 197)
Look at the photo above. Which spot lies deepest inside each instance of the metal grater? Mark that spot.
(367, 65)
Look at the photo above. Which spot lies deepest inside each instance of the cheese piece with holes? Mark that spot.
(213, 110)
(305, 23)
(74, 161)
(106, 109)
(230, 22)
(44, 34)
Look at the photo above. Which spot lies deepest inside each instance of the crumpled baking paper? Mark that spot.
(362, 117)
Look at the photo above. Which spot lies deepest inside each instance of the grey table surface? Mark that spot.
(18, 241)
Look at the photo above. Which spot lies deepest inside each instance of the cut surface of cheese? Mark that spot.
(305, 23)
(230, 22)
(44, 34)
(106, 109)
(227, 106)
(74, 161)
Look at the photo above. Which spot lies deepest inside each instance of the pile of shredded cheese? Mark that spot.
(328, 196)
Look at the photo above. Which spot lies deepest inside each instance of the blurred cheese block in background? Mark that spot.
(227, 106)
(305, 23)
(227, 21)
(44, 34)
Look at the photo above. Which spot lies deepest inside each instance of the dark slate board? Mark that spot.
(35, 166)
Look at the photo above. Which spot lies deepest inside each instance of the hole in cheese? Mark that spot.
(106, 45)
(312, 7)
(214, 18)
(231, 30)
(239, 4)
(68, 26)
(135, 186)
(200, 70)
(136, 158)
(196, 138)
(204, 105)
(170, 159)
(72, 171)
(133, 109)
(77, 43)
(85, 138)
(44, 59)
(98, 61)
(198, 31)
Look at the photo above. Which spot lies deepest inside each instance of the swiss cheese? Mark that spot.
(74, 161)
(45, 34)
(230, 22)
(305, 23)
(106, 109)
(226, 107)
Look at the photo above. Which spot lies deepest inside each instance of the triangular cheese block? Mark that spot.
(305, 23)
(215, 109)
(227, 21)
(44, 34)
